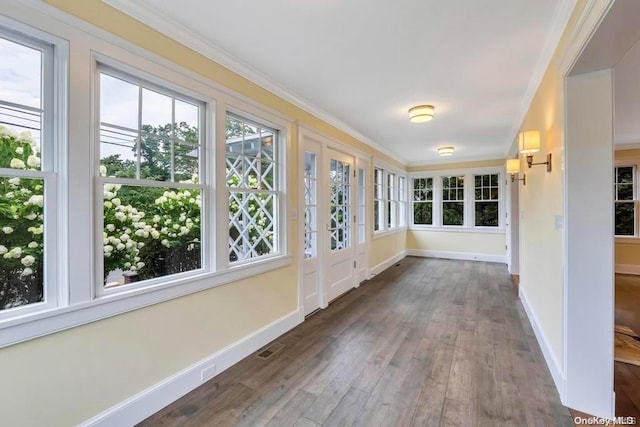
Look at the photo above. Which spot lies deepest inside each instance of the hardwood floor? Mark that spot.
(627, 377)
(429, 342)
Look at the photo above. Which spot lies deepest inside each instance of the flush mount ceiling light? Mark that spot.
(421, 113)
(445, 151)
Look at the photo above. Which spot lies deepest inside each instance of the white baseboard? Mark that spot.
(156, 397)
(552, 363)
(627, 269)
(386, 264)
(469, 256)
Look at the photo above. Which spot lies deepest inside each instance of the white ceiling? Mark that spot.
(361, 64)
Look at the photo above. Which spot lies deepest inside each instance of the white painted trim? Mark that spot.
(374, 271)
(460, 229)
(592, 15)
(562, 15)
(622, 147)
(198, 43)
(552, 362)
(468, 256)
(627, 269)
(138, 407)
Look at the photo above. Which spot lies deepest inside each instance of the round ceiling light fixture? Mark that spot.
(445, 151)
(421, 113)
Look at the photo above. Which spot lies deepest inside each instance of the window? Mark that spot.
(252, 180)
(27, 174)
(625, 205)
(486, 200)
(150, 180)
(392, 201)
(378, 209)
(362, 206)
(423, 201)
(453, 200)
(402, 201)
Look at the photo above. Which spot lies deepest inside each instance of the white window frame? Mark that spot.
(146, 81)
(277, 191)
(402, 201)
(469, 200)
(635, 164)
(390, 201)
(414, 202)
(53, 148)
(77, 51)
(378, 199)
(476, 201)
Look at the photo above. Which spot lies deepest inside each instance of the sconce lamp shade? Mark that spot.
(445, 151)
(421, 113)
(530, 142)
(513, 166)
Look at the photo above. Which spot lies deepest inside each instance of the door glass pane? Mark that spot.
(340, 205)
(310, 216)
(362, 208)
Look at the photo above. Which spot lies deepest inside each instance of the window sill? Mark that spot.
(385, 233)
(29, 326)
(447, 229)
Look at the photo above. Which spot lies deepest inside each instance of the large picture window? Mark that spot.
(27, 174)
(625, 205)
(453, 200)
(423, 201)
(252, 180)
(150, 180)
(486, 200)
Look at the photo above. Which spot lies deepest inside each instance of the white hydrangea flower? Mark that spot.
(120, 246)
(124, 237)
(28, 261)
(108, 249)
(110, 227)
(36, 230)
(27, 272)
(14, 253)
(32, 245)
(33, 161)
(10, 195)
(155, 234)
(31, 216)
(160, 200)
(14, 181)
(103, 170)
(120, 216)
(165, 242)
(140, 264)
(116, 201)
(7, 230)
(17, 164)
(19, 150)
(3, 250)
(37, 200)
(108, 195)
(108, 204)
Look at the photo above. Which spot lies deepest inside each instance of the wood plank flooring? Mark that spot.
(627, 377)
(428, 342)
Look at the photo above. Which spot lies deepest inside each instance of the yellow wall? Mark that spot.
(627, 251)
(541, 200)
(465, 242)
(386, 247)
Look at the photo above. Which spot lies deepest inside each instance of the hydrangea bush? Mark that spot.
(21, 222)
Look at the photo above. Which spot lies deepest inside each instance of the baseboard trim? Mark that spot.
(628, 269)
(469, 256)
(386, 264)
(552, 363)
(149, 401)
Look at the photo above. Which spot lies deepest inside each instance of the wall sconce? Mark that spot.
(529, 144)
(513, 167)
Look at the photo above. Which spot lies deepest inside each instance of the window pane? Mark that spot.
(487, 214)
(21, 241)
(149, 232)
(624, 175)
(20, 105)
(422, 213)
(251, 225)
(453, 213)
(624, 219)
(625, 192)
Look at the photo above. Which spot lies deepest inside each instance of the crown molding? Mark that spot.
(144, 13)
(560, 20)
